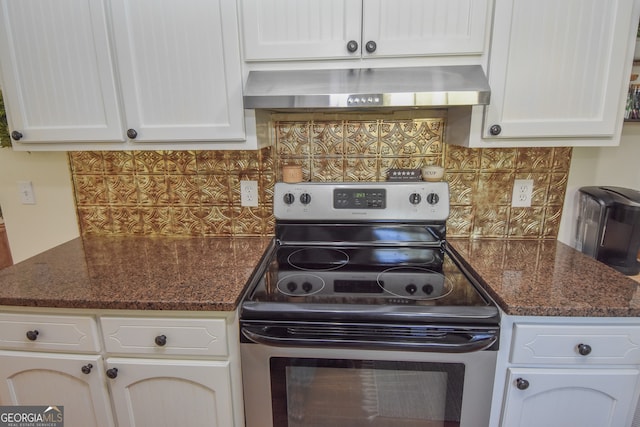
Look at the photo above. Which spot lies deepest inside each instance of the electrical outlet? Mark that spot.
(27, 197)
(522, 191)
(249, 193)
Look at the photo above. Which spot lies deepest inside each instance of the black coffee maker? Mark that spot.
(609, 226)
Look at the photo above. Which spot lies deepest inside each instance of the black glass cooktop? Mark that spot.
(317, 277)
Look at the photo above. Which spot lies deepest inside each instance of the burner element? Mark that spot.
(300, 284)
(318, 259)
(414, 283)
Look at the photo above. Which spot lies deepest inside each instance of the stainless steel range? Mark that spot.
(360, 315)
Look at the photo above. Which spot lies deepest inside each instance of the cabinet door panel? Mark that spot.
(51, 379)
(179, 64)
(559, 69)
(425, 27)
(300, 29)
(58, 82)
(167, 393)
(570, 397)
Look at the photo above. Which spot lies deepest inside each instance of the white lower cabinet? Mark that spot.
(538, 397)
(54, 360)
(168, 393)
(585, 373)
(76, 382)
(166, 372)
(131, 371)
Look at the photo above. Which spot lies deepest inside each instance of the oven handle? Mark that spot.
(277, 341)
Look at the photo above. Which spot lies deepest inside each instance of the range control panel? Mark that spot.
(354, 198)
(388, 201)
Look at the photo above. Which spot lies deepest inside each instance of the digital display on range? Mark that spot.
(349, 198)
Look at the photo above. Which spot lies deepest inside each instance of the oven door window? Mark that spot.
(351, 393)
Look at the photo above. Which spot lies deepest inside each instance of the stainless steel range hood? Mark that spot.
(367, 88)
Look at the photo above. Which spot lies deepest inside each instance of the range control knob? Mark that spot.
(307, 287)
(433, 198)
(305, 198)
(415, 198)
(288, 198)
(411, 288)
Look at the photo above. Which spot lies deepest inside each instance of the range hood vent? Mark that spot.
(367, 88)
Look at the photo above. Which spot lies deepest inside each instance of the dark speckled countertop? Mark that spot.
(137, 273)
(549, 278)
(525, 277)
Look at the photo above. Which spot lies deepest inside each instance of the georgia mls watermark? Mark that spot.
(31, 416)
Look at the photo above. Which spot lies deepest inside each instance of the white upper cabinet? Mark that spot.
(559, 71)
(347, 29)
(98, 74)
(300, 29)
(424, 27)
(179, 65)
(59, 82)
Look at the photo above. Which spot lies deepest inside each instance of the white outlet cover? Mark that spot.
(522, 192)
(249, 193)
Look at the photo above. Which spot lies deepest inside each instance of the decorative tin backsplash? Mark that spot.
(198, 192)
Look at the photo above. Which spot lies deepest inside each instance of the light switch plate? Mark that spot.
(27, 197)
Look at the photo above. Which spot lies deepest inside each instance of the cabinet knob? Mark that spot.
(32, 335)
(584, 349)
(371, 46)
(86, 369)
(352, 46)
(495, 130)
(112, 373)
(522, 384)
(16, 135)
(161, 340)
(132, 134)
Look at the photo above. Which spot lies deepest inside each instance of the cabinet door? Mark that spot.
(58, 80)
(57, 379)
(300, 29)
(179, 63)
(424, 27)
(167, 393)
(559, 68)
(569, 397)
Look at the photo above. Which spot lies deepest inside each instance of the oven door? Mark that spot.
(321, 387)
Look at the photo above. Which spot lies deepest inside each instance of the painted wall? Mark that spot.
(32, 229)
(618, 166)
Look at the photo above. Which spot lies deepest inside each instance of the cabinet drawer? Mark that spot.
(48, 333)
(196, 337)
(575, 344)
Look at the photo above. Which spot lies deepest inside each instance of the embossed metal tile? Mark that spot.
(198, 192)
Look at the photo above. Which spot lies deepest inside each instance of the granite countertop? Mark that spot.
(137, 273)
(548, 278)
(525, 277)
